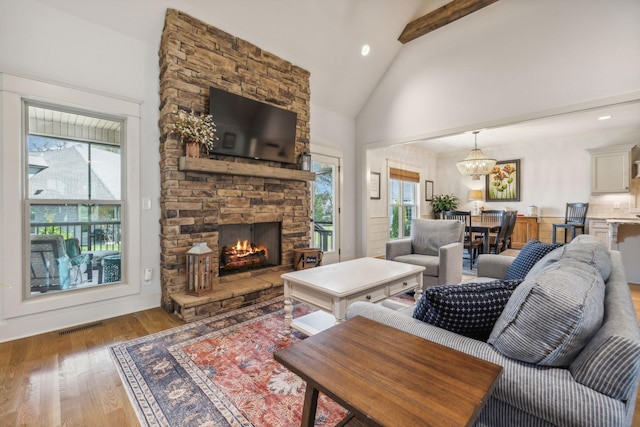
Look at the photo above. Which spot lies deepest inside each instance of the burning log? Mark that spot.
(242, 255)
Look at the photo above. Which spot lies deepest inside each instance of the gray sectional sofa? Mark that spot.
(578, 295)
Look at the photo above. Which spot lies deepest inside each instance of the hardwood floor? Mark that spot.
(67, 378)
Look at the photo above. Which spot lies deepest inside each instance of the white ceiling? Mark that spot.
(322, 36)
(624, 125)
(325, 38)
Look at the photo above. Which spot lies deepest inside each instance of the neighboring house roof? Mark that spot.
(65, 175)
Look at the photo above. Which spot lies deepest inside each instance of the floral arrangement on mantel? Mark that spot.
(197, 131)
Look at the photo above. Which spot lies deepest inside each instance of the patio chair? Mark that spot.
(78, 262)
(574, 218)
(49, 263)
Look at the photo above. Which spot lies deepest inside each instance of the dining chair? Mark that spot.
(472, 244)
(498, 242)
(510, 227)
(574, 218)
(491, 215)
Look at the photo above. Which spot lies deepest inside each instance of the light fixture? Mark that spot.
(476, 163)
(604, 117)
(365, 50)
(474, 196)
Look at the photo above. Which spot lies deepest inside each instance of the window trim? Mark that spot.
(14, 89)
(29, 201)
(416, 203)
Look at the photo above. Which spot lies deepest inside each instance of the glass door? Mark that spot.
(325, 219)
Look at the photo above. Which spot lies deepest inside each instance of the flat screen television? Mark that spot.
(248, 128)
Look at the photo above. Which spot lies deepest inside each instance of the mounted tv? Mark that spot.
(248, 128)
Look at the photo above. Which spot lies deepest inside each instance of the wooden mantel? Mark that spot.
(192, 164)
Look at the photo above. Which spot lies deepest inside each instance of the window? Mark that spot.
(17, 93)
(403, 202)
(73, 198)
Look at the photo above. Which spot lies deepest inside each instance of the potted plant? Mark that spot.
(444, 202)
(195, 131)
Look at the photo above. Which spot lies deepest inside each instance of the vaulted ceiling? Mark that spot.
(325, 37)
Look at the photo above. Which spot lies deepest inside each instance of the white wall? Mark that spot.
(43, 41)
(509, 59)
(551, 175)
(512, 60)
(335, 131)
(380, 160)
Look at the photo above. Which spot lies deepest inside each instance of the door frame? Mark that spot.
(338, 155)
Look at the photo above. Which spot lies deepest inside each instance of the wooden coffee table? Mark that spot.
(387, 377)
(331, 288)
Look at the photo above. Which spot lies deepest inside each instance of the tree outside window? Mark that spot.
(74, 197)
(402, 207)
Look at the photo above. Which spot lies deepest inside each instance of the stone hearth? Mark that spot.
(228, 296)
(199, 195)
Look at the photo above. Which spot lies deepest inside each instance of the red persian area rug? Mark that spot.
(219, 372)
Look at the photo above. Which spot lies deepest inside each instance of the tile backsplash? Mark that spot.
(625, 205)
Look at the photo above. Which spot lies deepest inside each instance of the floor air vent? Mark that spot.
(80, 328)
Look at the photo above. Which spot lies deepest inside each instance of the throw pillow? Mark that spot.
(468, 309)
(547, 260)
(550, 318)
(532, 252)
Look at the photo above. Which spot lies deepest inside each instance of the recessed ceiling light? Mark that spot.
(365, 50)
(604, 117)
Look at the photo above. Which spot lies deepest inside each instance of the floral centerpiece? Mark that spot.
(196, 131)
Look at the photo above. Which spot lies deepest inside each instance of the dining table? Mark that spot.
(485, 228)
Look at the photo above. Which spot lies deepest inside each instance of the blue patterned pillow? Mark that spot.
(469, 309)
(532, 252)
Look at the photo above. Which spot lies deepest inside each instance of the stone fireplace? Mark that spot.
(205, 199)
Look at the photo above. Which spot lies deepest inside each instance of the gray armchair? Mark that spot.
(434, 244)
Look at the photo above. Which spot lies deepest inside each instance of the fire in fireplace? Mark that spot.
(243, 255)
(248, 246)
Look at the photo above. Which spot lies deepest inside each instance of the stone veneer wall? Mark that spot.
(193, 57)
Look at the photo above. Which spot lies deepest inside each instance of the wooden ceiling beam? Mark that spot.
(440, 17)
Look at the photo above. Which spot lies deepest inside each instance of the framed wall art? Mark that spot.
(503, 182)
(374, 189)
(428, 191)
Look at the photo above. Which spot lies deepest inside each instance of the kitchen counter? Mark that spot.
(624, 236)
(614, 223)
(623, 220)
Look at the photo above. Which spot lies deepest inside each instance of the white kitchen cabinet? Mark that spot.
(600, 229)
(611, 169)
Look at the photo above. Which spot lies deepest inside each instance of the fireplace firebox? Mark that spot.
(246, 247)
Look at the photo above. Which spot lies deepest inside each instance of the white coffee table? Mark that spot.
(331, 288)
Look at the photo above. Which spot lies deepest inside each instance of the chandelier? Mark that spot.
(476, 163)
